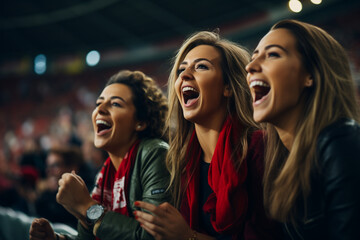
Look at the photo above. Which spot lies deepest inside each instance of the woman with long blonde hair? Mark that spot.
(216, 152)
(304, 94)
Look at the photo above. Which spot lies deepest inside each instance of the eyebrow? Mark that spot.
(113, 97)
(198, 60)
(271, 46)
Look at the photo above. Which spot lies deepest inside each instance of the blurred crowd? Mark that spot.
(30, 172)
(56, 136)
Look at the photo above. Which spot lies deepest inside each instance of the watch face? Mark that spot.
(94, 212)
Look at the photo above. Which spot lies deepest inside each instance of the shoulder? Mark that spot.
(152, 148)
(338, 136)
(149, 144)
(338, 147)
(343, 128)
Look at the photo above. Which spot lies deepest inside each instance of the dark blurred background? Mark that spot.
(48, 90)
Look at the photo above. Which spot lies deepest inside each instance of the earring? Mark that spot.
(309, 82)
(227, 91)
(138, 126)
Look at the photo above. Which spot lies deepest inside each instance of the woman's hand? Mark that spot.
(41, 229)
(73, 195)
(165, 223)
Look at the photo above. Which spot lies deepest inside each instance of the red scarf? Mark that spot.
(228, 203)
(112, 187)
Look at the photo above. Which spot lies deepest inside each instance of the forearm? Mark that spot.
(80, 211)
(117, 226)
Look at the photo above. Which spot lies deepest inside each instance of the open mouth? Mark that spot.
(190, 94)
(102, 125)
(261, 89)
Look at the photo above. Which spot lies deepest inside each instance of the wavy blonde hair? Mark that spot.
(233, 62)
(332, 96)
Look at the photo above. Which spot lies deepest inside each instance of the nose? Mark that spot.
(253, 66)
(186, 74)
(102, 108)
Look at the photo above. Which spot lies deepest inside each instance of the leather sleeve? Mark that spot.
(149, 181)
(340, 160)
(83, 233)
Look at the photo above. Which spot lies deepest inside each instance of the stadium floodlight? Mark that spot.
(40, 64)
(92, 58)
(316, 1)
(295, 6)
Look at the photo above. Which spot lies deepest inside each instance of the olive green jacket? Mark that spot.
(148, 182)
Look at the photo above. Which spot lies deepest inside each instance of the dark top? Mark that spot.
(204, 192)
(333, 205)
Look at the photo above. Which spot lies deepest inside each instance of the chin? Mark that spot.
(189, 117)
(259, 118)
(98, 144)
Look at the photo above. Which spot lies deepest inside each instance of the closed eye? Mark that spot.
(116, 104)
(273, 54)
(180, 70)
(202, 66)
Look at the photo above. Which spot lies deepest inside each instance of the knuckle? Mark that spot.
(166, 205)
(58, 197)
(151, 218)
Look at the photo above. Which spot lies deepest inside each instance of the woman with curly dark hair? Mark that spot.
(128, 121)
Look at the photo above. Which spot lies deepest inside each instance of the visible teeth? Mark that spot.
(189, 89)
(259, 83)
(103, 122)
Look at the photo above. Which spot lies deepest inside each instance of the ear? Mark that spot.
(309, 81)
(227, 91)
(140, 126)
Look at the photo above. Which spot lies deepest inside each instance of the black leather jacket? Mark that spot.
(333, 206)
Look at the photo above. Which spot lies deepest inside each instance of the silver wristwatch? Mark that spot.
(94, 213)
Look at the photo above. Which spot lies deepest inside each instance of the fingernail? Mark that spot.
(136, 203)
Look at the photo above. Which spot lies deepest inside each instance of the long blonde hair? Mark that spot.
(332, 96)
(234, 60)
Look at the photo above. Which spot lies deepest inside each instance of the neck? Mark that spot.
(286, 124)
(208, 136)
(116, 160)
(118, 155)
(286, 130)
(286, 137)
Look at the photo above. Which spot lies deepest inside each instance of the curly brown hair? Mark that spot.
(149, 101)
